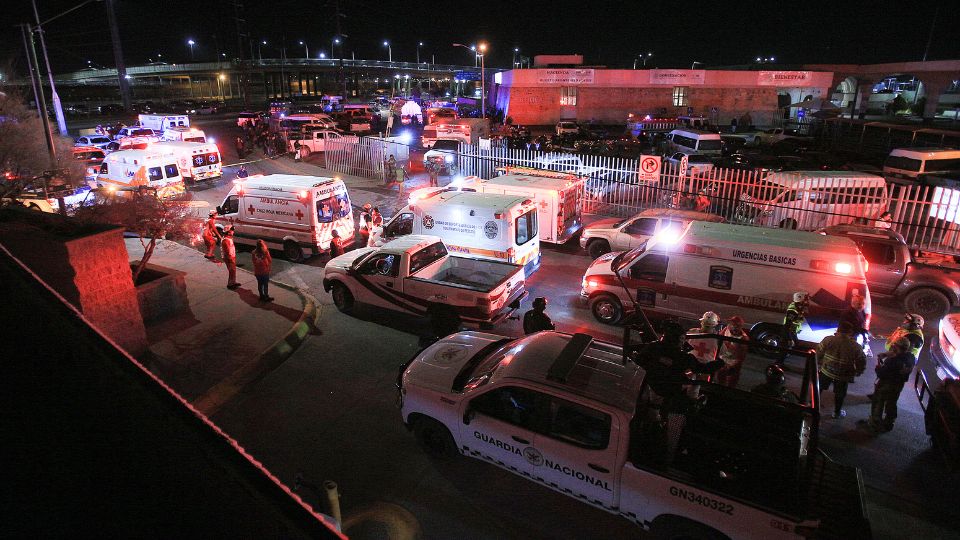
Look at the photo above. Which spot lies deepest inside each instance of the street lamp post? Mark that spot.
(389, 51)
(191, 43)
(306, 51)
(515, 51)
(483, 83)
(333, 42)
(419, 44)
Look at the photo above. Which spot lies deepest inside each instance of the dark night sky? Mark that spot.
(606, 32)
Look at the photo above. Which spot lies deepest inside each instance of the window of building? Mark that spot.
(680, 96)
(568, 95)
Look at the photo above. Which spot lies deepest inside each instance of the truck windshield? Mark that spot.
(477, 371)
(446, 144)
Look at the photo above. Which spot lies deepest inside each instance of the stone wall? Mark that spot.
(89, 268)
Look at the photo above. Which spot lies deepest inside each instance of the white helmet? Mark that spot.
(801, 296)
(913, 318)
(710, 319)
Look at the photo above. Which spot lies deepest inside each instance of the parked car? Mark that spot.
(612, 234)
(697, 164)
(99, 141)
(567, 128)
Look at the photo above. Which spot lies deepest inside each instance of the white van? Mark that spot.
(732, 270)
(295, 122)
(197, 161)
(912, 162)
(293, 213)
(810, 200)
(694, 141)
(498, 227)
(558, 196)
(184, 134)
(160, 122)
(153, 167)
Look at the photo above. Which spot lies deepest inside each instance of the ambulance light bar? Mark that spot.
(696, 250)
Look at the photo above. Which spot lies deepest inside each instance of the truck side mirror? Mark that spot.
(468, 416)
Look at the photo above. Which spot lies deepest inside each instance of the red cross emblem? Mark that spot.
(544, 204)
(251, 209)
(299, 215)
(701, 349)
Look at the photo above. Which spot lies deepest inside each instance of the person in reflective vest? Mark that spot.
(793, 321)
(912, 330)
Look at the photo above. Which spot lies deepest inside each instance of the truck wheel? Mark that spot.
(435, 438)
(304, 152)
(677, 528)
(342, 297)
(292, 251)
(930, 303)
(788, 224)
(596, 248)
(606, 308)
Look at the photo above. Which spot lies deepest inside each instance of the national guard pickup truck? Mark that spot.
(414, 274)
(577, 416)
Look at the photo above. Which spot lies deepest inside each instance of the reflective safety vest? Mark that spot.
(903, 332)
(794, 318)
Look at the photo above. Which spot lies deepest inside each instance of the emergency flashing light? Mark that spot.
(302, 194)
(668, 236)
(843, 268)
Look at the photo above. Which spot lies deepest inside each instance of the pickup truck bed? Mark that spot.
(834, 497)
(480, 275)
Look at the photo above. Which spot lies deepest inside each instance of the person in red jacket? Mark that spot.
(262, 261)
(210, 234)
(229, 253)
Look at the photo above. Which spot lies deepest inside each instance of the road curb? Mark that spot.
(268, 360)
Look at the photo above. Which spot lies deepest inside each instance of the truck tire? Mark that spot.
(598, 247)
(342, 297)
(677, 528)
(435, 438)
(930, 303)
(606, 308)
(767, 334)
(788, 224)
(292, 251)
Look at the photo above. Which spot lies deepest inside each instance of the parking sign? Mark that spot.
(649, 169)
(683, 165)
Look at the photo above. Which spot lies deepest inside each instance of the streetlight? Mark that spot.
(259, 52)
(419, 44)
(515, 51)
(389, 51)
(322, 55)
(334, 41)
(694, 64)
(306, 51)
(191, 43)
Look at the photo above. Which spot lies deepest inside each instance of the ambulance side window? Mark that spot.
(510, 404)
(231, 205)
(154, 174)
(104, 168)
(652, 267)
(171, 170)
(578, 425)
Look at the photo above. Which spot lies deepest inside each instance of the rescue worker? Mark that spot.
(262, 263)
(241, 147)
(242, 172)
(365, 221)
(841, 359)
(536, 319)
(211, 234)
(732, 353)
(893, 371)
(793, 321)
(774, 387)
(857, 317)
(229, 253)
(391, 170)
(885, 221)
(912, 329)
(433, 168)
(376, 217)
(296, 151)
(336, 244)
(705, 348)
(669, 372)
(701, 203)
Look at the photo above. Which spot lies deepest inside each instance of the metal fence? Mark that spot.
(367, 157)
(928, 216)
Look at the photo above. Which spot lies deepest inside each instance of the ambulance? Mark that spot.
(292, 213)
(152, 167)
(184, 134)
(160, 122)
(488, 226)
(732, 270)
(197, 161)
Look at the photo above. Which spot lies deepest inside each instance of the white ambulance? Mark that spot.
(153, 167)
(732, 270)
(184, 134)
(160, 122)
(197, 161)
(497, 227)
(558, 196)
(289, 212)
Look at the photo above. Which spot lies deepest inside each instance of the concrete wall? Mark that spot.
(91, 270)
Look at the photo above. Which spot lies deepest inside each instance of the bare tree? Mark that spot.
(140, 211)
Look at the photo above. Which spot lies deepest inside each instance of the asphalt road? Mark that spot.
(329, 412)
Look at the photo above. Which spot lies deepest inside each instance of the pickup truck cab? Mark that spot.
(580, 417)
(926, 289)
(444, 152)
(414, 274)
(316, 140)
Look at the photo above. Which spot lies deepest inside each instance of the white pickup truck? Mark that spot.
(414, 274)
(582, 418)
(316, 140)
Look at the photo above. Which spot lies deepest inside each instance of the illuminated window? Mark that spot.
(680, 96)
(568, 95)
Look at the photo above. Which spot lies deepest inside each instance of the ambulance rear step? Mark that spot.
(836, 497)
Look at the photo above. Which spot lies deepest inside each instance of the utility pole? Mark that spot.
(118, 55)
(244, 67)
(42, 103)
(57, 107)
(340, 74)
(933, 25)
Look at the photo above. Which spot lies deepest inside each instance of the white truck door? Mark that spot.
(497, 426)
(578, 451)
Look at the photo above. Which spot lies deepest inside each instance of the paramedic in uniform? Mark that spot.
(229, 253)
(705, 349)
(793, 321)
(536, 319)
(210, 234)
(912, 330)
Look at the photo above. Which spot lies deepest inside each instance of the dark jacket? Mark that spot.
(857, 319)
(666, 366)
(895, 369)
(535, 321)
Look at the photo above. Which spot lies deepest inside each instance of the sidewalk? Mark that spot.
(224, 339)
